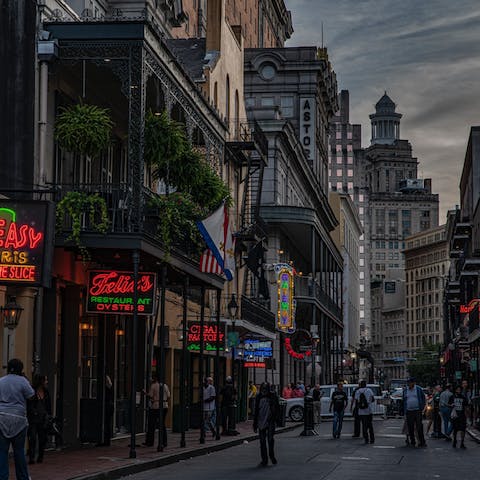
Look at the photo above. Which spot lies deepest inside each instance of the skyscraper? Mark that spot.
(345, 172)
(399, 205)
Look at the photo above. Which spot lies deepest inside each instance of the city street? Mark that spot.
(324, 458)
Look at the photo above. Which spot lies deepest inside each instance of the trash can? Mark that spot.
(281, 420)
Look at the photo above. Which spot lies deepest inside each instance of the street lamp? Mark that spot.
(353, 356)
(232, 311)
(11, 314)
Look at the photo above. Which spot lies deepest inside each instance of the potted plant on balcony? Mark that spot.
(77, 204)
(84, 129)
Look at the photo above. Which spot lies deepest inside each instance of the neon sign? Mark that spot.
(211, 337)
(255, 365)
(26, 231)
(286, 304)
(111, 292)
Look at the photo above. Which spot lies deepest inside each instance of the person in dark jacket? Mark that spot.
(39, 410)
(228, 406)
(267, 411)
(459, 404)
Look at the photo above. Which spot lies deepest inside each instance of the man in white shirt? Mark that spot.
(209, 396)
(364, 397)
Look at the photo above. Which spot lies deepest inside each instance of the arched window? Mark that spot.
(227, 100)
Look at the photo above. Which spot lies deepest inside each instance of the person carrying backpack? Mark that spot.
(363, 399)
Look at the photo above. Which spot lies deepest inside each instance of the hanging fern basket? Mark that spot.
(84, 129)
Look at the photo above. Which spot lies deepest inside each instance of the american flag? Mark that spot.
(208, 263)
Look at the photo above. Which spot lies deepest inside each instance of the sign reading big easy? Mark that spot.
(26, 242)
(110, 291)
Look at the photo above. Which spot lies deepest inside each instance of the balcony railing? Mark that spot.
(307, 287)
(122, 216)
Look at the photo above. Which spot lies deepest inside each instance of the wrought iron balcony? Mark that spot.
(307, 288)
(122, 215)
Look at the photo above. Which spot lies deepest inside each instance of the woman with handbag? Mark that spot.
(39, 418)
(458, 416)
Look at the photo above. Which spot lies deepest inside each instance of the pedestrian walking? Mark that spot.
(39, 414)
(459, 404)
(467, 393)
(317, 404)
(437, 419)
(109, 410)
(267, 411)
(153, 411)
(158, 396)
(446, 410)
(413, 407)
(228, 406)
(209, 396)
(252, 393)
(363, 400)
(356, 417)
(15, 390)
(338, 402)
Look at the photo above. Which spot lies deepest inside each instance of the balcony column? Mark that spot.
(314, 309)
(136, 128)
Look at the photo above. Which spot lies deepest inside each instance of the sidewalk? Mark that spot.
(101, 463)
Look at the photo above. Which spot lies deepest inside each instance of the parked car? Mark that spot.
(295, 405)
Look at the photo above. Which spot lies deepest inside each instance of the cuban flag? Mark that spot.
(218, 236)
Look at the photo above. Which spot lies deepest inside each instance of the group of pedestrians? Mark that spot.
(25, 411)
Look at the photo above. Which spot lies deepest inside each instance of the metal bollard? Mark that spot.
(308, 418)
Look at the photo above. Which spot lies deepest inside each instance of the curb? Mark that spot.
(142, 466)
(474, 435)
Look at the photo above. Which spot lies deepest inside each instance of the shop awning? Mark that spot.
(251, 327)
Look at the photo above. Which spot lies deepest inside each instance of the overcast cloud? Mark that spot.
(426, 54)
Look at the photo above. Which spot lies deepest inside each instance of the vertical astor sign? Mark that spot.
(286, 311)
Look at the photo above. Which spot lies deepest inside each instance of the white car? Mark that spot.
(295, 405)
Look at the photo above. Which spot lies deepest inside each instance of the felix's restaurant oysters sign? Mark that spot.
(110, 291)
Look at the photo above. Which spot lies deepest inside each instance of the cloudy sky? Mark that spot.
(426, 54)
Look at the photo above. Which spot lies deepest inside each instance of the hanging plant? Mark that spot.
(176, 226)
(84, 129)
(75, 205)
(178, 163)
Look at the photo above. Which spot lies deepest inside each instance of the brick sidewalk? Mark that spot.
(95, 463)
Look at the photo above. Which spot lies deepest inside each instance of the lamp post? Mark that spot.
(232, 311)
(353, 356)
(11, 314)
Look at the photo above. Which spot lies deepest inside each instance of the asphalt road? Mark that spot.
(323, 458)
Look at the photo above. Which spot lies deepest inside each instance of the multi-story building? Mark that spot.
(462, 344)
(427, 265)
(388, 326)
(292, 94)
(262, 24)
(345, 174)
(399, 204)
(347, 239)
(114, 55)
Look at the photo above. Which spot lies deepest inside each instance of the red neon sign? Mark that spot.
(106, 283)
(471, 306)
(112, 292)
(21, 244)
(254, 365)
(212, 337)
